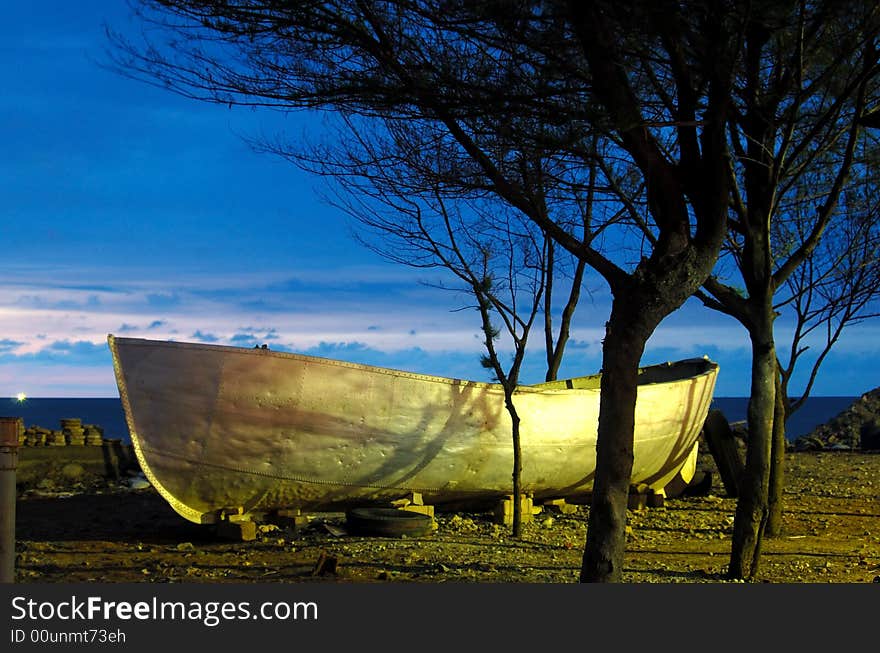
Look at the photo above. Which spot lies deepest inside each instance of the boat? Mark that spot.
(222, 430)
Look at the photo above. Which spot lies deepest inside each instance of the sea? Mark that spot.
(108, 412)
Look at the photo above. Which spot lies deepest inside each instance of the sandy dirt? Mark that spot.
(101, 531)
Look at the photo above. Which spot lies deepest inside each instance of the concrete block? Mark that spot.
(504, 510)
(637, 501)
(656, 499)
(425, 510)
(560, 506)
(411, 499)
(242, 531)
(289, 518)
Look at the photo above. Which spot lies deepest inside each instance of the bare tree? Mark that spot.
(500, 293)
(505, 93)
(837, 286)
(809, 72)
(499, 257)
(386, 178)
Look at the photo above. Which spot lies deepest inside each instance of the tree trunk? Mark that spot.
(752, 509)
(777, 464)
(606, 533)
(517, 464)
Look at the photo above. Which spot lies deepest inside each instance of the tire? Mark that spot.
(388, 522)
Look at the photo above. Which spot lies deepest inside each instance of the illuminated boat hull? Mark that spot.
(220, 428)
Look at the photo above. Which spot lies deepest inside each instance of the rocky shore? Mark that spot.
(855, 428)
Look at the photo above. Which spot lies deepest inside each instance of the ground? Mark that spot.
(88, 530)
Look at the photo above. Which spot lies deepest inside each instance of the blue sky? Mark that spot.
(129, 210)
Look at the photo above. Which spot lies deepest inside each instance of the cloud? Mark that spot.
(403, 326)
(243, 339)
(451, 364)
(163, 300)
(52, 302)
(269, 333)
(62, 352)
(7, 345)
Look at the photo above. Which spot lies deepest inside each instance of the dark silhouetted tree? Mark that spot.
(503, 93)
(809, 71)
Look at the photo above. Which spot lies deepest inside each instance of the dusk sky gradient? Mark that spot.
(130, 210)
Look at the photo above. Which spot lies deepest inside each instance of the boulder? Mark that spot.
(856, 427)
(73, 472)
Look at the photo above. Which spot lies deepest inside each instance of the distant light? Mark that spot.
(21, 397)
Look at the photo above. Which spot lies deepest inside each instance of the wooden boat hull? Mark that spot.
(224, 428)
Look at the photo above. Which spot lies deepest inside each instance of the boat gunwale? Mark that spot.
(710, 367)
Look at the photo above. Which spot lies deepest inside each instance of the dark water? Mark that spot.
(815, 411)
(108, 413)
(48, 413)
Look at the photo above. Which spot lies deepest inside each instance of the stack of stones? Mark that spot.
(35, 436)
(72, 430)
(93, 435)
(55, 439)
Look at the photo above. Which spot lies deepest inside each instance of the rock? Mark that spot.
(138, 482)
(327, 564)
(856, 427)
(740, 430)
(809, 443)
(73, 471)
(870, 435)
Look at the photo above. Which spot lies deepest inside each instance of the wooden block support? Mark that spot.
(242, 531)
(560, 506)
(637, 501)
(411, 499)
(289, 518)
(424, 510)
(722, 446)
(700, 485)
(656, 499)
(641, 498)
(504, 510)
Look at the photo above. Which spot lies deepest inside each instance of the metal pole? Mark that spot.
(9, 430)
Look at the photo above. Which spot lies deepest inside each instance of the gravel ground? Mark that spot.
(91, 530)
